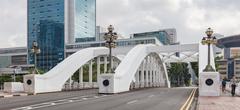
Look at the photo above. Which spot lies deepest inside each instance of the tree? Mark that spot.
(179, 74)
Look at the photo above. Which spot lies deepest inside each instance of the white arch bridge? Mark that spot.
(142, 65)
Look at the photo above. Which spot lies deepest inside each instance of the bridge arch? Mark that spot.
(54, 79)
(125, 72)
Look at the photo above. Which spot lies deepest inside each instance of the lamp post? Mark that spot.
(110, 38)
(208, 41)
(35, 50)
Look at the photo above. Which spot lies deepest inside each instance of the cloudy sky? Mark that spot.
(189, 17)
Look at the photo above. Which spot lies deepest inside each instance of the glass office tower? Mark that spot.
(85, 20)
(54, 23)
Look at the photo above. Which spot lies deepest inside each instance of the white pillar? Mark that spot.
(80, 76)
(151, 71)
(105, 64)
(98, 68)
(90, 73)
(159, 76)
(147, 71)
(137, 78)
(154, 73)
(70, 82)
(142, 74)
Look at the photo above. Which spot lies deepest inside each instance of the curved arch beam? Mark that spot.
(54, 79)
(126, 71)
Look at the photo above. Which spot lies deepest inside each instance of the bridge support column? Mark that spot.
(90, 74)
(158, 76)
(105, 64)
(155, 74)
(151, 71)
(142, 74)
(98, 68)
(147, 72)
(80, 77)
(137, 79)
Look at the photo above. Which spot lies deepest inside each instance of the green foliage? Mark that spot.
(5, 78)
(179, 74)
(75, 77)
(216, 63)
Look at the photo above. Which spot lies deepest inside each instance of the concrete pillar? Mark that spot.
(147, 71)
(80, 76)
(151, 69)
(159, 76)
(137, 79)
(105, 64)
(70, 82)
(98, 68)
(156, 74)
(142, 74)
(90, 73)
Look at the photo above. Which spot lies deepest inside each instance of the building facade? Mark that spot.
(229, 65)
(166, 36)
(54, 23)
(18, 56)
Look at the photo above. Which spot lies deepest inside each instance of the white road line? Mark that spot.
(150, 96)
(57, 102)
(131, 102)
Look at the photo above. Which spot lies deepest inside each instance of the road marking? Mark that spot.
(150, 96)
(58, 102)
(187, 104)
(70, 101)
(53, 104)
(84, 98)
(131, 102)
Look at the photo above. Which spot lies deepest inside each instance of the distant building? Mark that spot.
(18, 56)
(230, 64)
(53, 23)
(166, 36)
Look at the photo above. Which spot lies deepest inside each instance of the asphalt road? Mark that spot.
(147, 99)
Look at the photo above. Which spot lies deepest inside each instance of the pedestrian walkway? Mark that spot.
(224, 102)
(5, 95)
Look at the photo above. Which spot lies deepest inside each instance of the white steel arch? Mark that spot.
(54, 79)
(125, 72)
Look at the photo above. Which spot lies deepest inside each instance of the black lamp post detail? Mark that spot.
(35, 50)
(208, 41)
(110, 38)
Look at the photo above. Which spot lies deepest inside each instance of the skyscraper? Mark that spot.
(53, 23)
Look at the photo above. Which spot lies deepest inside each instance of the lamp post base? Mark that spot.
(209, 68)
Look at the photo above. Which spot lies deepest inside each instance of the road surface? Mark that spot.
(146, 99)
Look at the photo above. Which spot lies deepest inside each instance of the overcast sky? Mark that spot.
(189, 17)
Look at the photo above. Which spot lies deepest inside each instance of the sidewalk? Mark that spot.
(224, 102)
(5, 95)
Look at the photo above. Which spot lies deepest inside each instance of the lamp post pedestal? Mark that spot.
(106, 83)
(209, 84)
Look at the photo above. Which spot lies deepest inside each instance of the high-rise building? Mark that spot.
(53, 23)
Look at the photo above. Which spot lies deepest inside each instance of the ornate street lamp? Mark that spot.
(110, 38)
(208, 41)
(35, 50)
